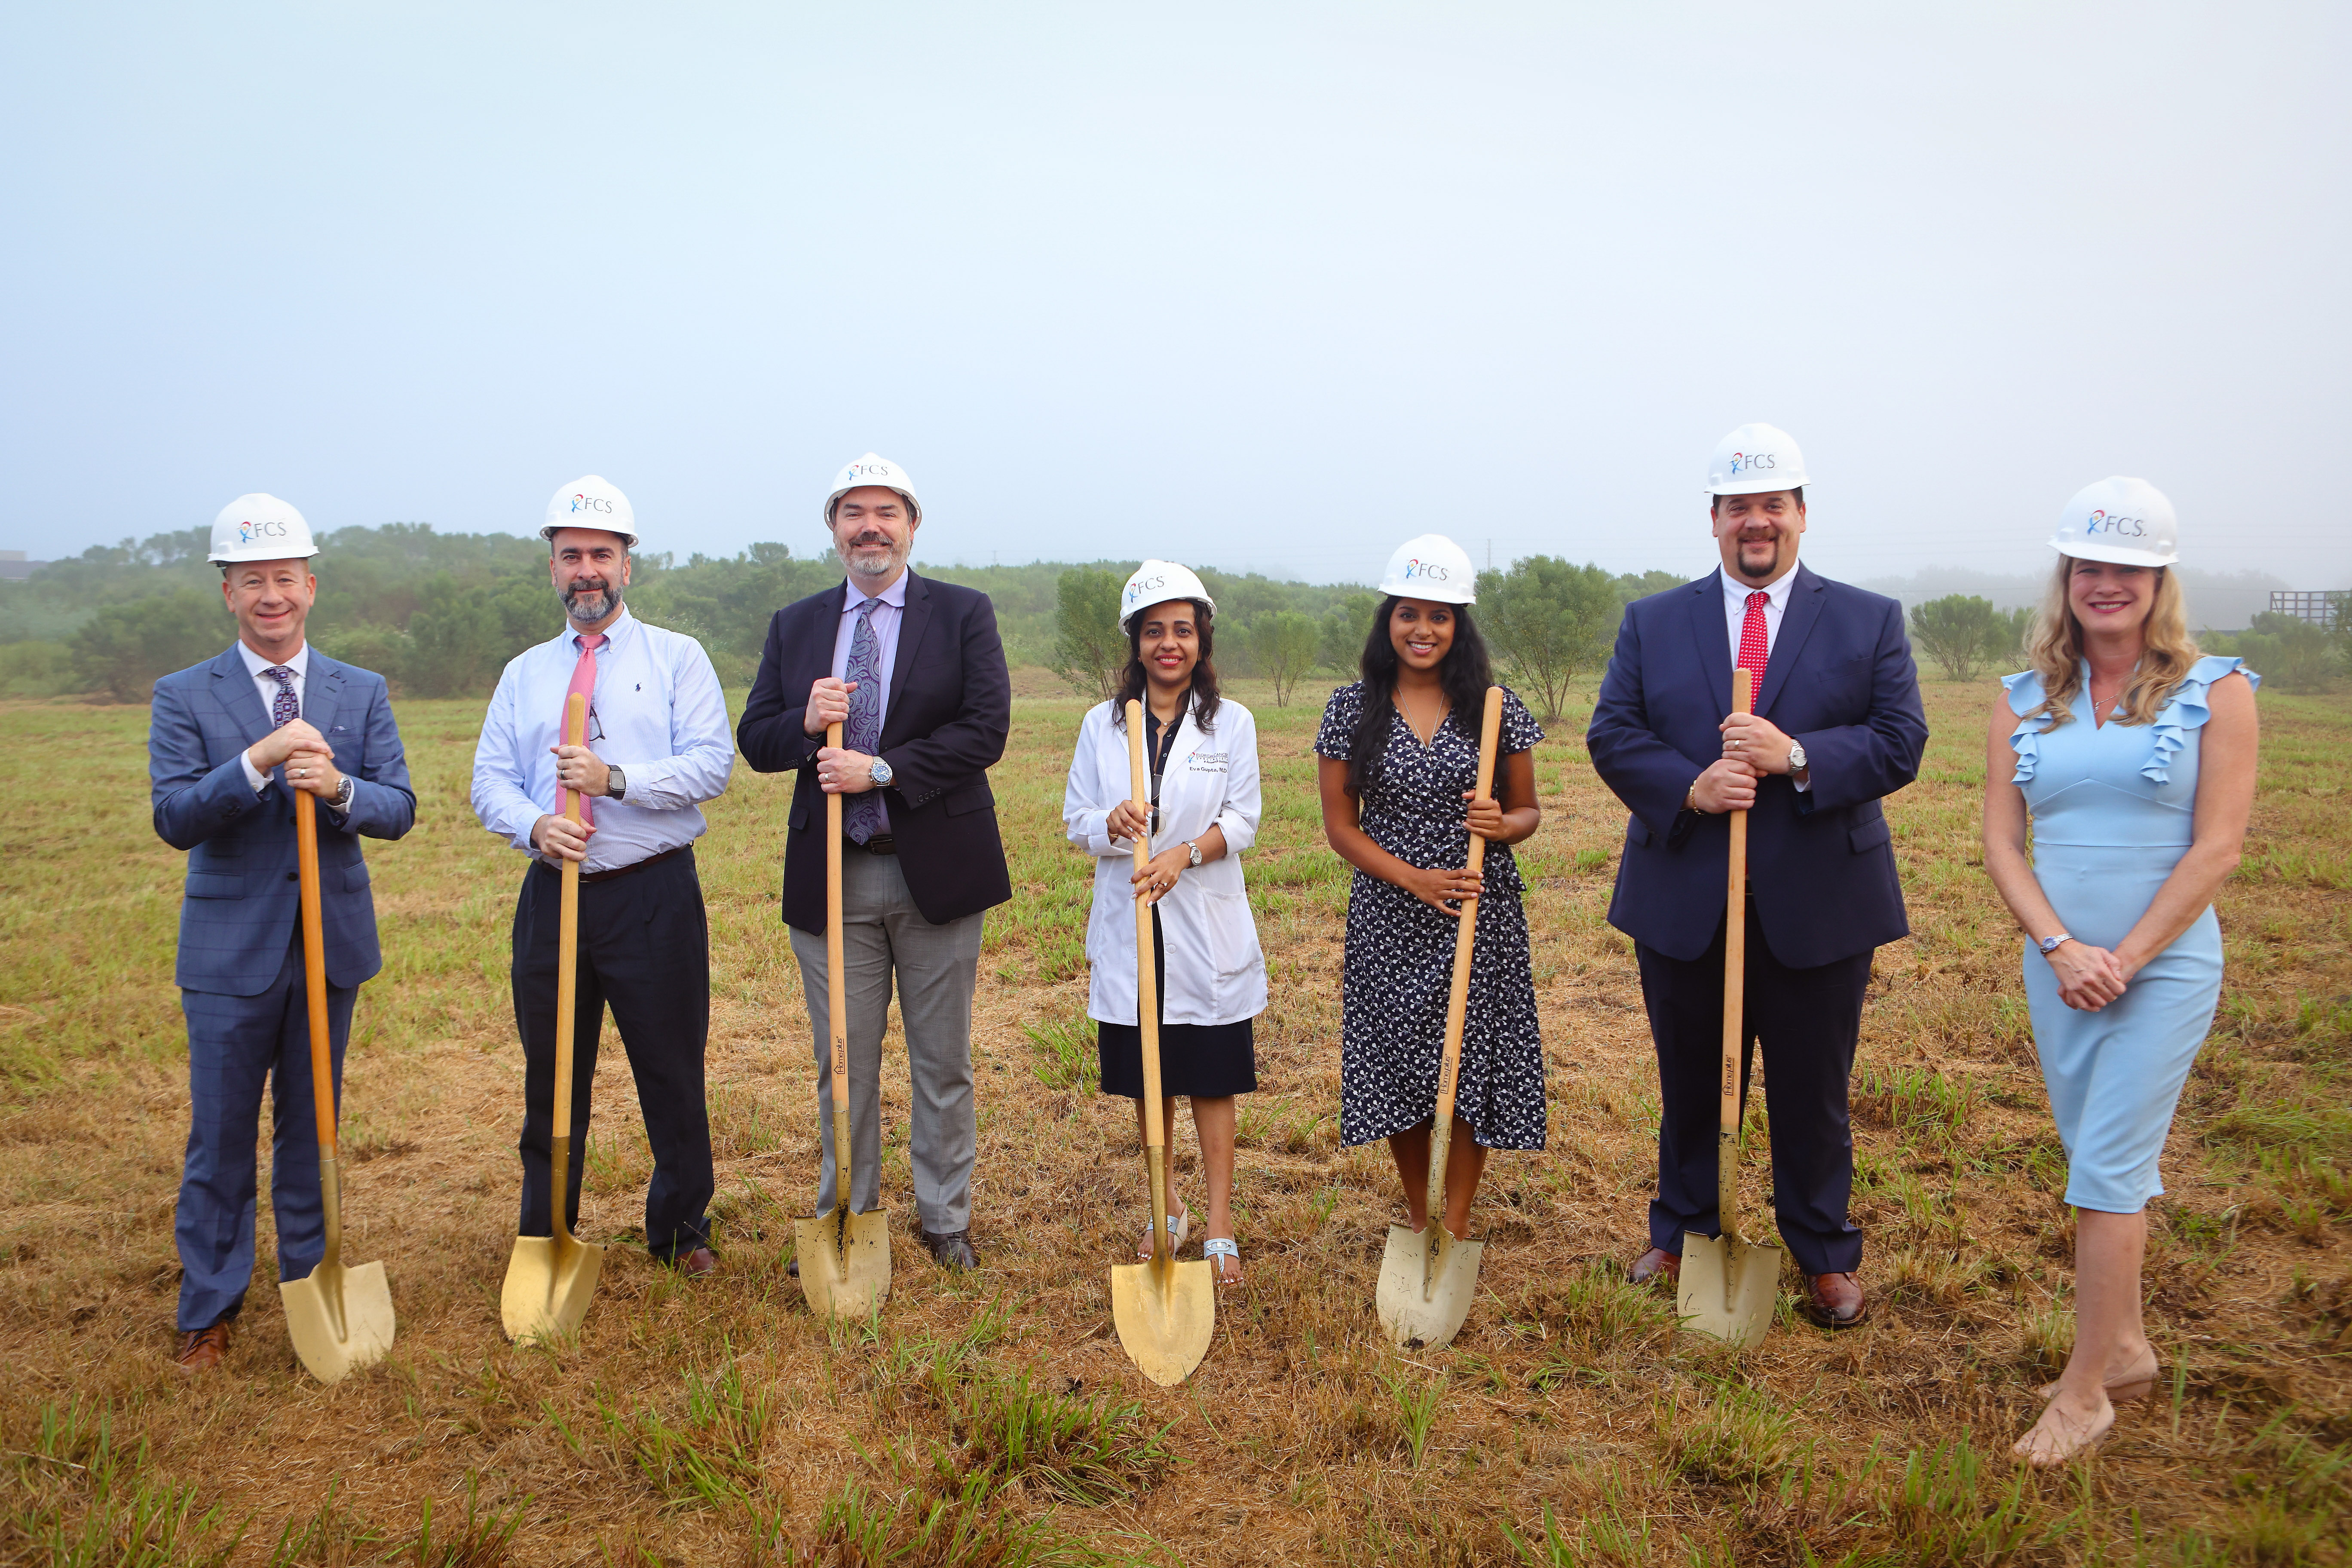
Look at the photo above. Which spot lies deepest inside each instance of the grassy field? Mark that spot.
(990, 1418)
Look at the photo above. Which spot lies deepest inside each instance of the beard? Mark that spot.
(1770, 565)
(586, 602)
(868, 566)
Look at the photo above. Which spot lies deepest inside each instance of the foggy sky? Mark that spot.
(1256, 286)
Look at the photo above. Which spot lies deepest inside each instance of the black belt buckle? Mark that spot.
(880, 844)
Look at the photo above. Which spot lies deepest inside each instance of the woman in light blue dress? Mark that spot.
(2135, 758)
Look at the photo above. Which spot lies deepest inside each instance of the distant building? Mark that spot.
(2318, 608)
(14, 566)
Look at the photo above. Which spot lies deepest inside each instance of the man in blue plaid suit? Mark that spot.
(229, 743)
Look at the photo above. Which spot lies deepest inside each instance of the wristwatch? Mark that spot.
(880, 772)
(617, 784)
(2049, 944)
(343, 793)
(1796, 756)
(1195, 849)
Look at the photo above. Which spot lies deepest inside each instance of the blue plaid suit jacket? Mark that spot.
(242, 899)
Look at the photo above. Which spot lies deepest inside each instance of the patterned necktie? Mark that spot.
(583, 684)
(1755, 647)
(283, 708)
(862, 815)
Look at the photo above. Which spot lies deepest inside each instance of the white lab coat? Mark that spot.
(1215, 970)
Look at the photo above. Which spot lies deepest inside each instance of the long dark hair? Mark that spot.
(1464, 674)
(1133, 680)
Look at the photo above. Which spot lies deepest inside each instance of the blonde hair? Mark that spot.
(2054, 649)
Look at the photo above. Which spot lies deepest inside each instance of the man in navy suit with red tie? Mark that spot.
(1837, 727)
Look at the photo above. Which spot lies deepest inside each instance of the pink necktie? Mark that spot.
(1755, 647)
(583, 684)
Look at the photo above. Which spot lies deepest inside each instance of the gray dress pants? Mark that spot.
(884, 936)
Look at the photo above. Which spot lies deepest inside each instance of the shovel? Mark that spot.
(551, 1278)
(1728, 1286)
(1165, 1311)
(339, 1319)
(845, 1258)
(1427, 1277)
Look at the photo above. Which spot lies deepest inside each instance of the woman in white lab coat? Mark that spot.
(1201, 751)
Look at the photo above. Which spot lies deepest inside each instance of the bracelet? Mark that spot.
(1690, 801)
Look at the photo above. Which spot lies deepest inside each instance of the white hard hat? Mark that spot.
(593, 501)
(1753, 459)
(260, 528)
(2127, 521)
(1156, 583)
(1432, 566)
(873, 469)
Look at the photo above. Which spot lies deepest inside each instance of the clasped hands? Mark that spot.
(2089, 977)
(1752, 747)
(1130, 821)
(309, 760)
(576, 768)
(839, 770)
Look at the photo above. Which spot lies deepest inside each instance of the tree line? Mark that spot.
(1964, 636)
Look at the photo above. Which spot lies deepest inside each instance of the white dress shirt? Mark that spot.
(1734, 616)
(268, 686)
(658, 715)
(889, 609)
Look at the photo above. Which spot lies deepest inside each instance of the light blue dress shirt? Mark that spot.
(658, 715)
(888, 613)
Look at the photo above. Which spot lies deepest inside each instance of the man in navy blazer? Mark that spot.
(914, 672)
(230, 741)
(1837, 727)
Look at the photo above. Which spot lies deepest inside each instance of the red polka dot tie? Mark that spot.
(1754, 645)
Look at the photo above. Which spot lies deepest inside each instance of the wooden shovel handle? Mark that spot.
(1457, 1001)
(314, 969)
(1147, 977)
(836, 986)
(567, 958)
(1734, 978)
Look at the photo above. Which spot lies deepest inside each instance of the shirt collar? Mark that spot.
(894, 595)
(255, 664)
(1736, 592)
(615, 634)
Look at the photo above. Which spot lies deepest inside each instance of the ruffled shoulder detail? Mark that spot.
(2187, 709)
(2024, 696)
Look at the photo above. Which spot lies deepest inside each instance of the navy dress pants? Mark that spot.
(1807, 1021)
(644, 950)
(236, 1044)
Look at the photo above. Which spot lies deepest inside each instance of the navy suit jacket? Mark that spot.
(951, 710)
(242, 896)
(1821, 864)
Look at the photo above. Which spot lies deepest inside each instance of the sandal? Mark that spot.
(1179, 1225)
(1221, 1246)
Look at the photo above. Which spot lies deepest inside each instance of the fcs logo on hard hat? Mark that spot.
(874, 470)
(593, 501)
(260, 527)
(1156, 583)
(1754, 460)
(2126, 522)
(1431, 566)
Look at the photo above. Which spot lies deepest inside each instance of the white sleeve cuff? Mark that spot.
(254, 777)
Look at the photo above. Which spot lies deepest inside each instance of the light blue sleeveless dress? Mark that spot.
(2113, 809)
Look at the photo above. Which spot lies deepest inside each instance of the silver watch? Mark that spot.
(880, 772)
(1796, 756)
(1195, 849)
(2049, 944)
(343, 793)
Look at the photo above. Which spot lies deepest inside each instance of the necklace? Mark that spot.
(1412, 722)
(2100, 708)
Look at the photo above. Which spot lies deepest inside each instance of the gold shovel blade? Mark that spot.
(844, 1276)
(1165, 1314)
(1729, 1287)
(548, 1281)
(1428, 1280)
(339, 1319)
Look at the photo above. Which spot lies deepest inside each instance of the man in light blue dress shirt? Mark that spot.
(657, 746)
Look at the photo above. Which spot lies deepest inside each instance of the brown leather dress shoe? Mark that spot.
(1835, 1300)
(202, 1350)
(952, 1250)
(1657, 1267)
(697, 1264)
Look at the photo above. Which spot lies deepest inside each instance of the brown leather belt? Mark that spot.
(632, 866)
(880, 844)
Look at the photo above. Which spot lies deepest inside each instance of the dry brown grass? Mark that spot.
(990, 1418)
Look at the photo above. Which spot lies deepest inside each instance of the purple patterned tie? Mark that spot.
(862, 815)
(283, 708)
